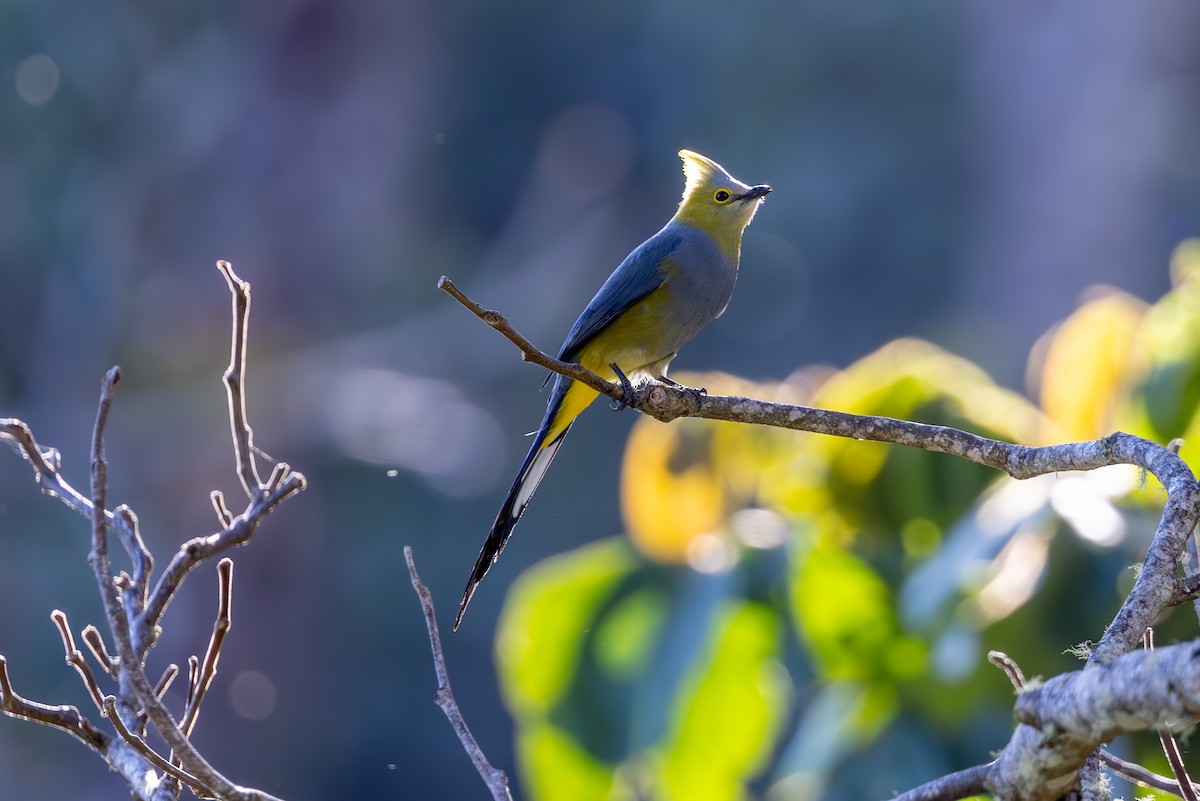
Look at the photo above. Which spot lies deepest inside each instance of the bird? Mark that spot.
(663, 293)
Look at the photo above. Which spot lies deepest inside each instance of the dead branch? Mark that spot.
(134, 613)
(494, 778)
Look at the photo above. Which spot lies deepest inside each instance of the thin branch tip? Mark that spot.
(495, 779)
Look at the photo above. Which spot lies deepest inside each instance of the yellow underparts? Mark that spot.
(633, 342)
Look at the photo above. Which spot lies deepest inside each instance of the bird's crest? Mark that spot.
(701, 171)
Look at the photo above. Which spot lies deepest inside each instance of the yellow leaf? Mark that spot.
(1085, 364)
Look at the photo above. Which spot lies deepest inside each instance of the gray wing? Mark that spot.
(634, 278)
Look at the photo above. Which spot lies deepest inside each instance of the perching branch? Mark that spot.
(529, 352)
(951, 787)
(1138, 691)
(1034, 765)
(134, 613)
(494, 778)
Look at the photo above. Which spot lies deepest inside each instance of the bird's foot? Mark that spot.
(626, 389)
(695, 392)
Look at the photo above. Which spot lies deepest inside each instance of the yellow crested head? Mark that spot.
(715, 202)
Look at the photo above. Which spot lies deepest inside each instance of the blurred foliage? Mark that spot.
(784, 602)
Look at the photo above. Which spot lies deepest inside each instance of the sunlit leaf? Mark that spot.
(547, 613)
(1167, 391)
(847, 617)
(730, 714)
(877, 489)
(553, 767)
(1085, 364)
(680, 483)
(670, 490)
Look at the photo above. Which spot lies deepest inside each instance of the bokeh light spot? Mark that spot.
(252, 695)
(423, 425)
(37, 79)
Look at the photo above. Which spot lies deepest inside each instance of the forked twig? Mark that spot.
(75, 658)
(163, 764)
(495, 779)
(98, 558)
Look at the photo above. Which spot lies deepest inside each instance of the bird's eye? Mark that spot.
(722, 196)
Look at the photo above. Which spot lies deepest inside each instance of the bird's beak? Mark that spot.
(755, 192)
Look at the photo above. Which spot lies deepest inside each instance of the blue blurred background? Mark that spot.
(959, 172)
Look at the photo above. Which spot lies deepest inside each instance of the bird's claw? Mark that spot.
(696, 392)
(626, 390)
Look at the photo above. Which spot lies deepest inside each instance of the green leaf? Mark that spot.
(554, 766)
(847, 618)
(547, 615)
(729, 718)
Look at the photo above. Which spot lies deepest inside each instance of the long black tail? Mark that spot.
(534, 468)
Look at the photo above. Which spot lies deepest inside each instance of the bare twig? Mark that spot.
(1139, 775)
(212, 655)
(223, 514)
(95, 644)
(1010, 668)
(75, 658)
(165, 681)
(45, 464)
(235, 381)
(119, 623)
(529, 352)
(193, 678)
(66, 718)
(98, 558)
(494, 778)
(143, 562)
